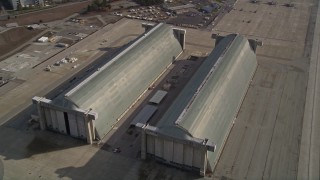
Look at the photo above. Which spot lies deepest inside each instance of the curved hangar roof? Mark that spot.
(114, 88)
(207, 106)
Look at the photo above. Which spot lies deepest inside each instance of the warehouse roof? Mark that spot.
(144, 115)
(158, 97)
(208, 104)
(114, 88)
(186, 6)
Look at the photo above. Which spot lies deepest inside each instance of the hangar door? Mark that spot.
(68, 123)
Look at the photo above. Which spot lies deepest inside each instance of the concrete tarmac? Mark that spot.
(28, 153)
(265, 140)
(310, 146)
(39, 82)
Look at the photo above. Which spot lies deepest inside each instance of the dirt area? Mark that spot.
(13, 38)
(47, 15)
(111, 19)
(93, 21)
(104, 15)
(93, 13)
(66, 41)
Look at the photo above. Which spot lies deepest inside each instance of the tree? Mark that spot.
(149, 2)
(89, 8)
(108, 6)
(96, 2)
(104, 3)
(94, 7)
(98, 5)
(19, 7)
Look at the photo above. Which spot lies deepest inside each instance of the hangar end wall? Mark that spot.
(175, 153)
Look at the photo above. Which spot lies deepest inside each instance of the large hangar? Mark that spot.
(192, 132)
(92, 108)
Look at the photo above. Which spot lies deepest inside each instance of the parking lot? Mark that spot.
(199, 14)
(151, 13)
(192, 19)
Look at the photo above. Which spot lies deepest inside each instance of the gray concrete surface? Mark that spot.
(265, 140)
(310, 148)
(87, 51)
(28, 153)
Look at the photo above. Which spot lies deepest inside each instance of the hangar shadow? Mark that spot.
(126, 164)
(21, 139)
(28, 140)
(106, 165)
(109, 49)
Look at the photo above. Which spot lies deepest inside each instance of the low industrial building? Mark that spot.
(192, 132)
(181, 9)
(92, 108)
(210, 8)
(43, 39)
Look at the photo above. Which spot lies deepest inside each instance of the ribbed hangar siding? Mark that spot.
(175, 153)
(205, 108)
(212, 113)
(56, 121)
(111, 92)
(65, 119)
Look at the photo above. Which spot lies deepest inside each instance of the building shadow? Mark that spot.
(21, 138)
(19, 144)
(126, 164)
(111, 166)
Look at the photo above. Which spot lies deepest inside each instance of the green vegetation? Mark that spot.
(19, 7)
(98, 5)
(149, 2)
